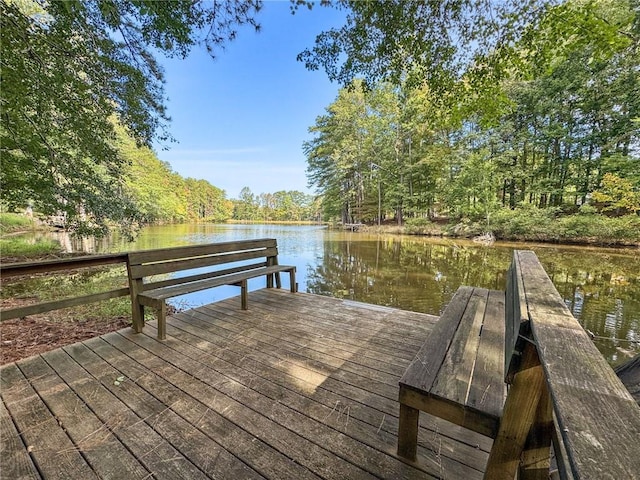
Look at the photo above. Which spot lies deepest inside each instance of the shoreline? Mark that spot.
(437, 231)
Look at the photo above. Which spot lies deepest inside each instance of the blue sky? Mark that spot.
(240, 119)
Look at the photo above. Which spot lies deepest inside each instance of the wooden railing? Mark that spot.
(562, 391)
(50, 266)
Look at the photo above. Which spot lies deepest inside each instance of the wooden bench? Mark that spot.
(458, 374)
(228, 263)
(562, 392)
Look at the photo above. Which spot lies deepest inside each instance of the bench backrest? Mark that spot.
(516, 317)
(597, 421)
(146, 263)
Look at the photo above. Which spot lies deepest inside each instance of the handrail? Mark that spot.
(48, 266)
(598, 421)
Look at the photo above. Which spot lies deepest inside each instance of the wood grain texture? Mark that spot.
(190, 251)
(15, 462)
(424, 368)
(519, 416)
(262, 393)
(51, 449)
(46, 266)
(458, 375)
(598, 419)
(487, 391)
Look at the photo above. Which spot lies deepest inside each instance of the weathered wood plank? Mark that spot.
(154, 452)
(203, 276)
(211, 389)
(265, 396)
(15, 462)
(156, 255)
(311, 399)
(341, 314)
(313, 435)
(287, 338)
(423, 371)
(598, 419)
(378, 411)
(334, 321)
(46, 266)
(487, 391)
(59, 304)
(169, 445)
(51, 449)
(92, 438)
(170, 407)
(519, 416)
(516, 318)
(172, 264)
(371, 380)
(190, 287)
(456, 372)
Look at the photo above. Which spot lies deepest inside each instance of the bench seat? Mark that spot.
(152, 297)
(458, 374)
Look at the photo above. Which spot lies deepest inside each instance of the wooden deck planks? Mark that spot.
(341, 413)
(15, 461)
(294, 374)
(48, 445)
(275, 392)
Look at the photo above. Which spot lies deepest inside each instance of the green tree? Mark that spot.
(617, 194)
(68, 69)
(247, 206)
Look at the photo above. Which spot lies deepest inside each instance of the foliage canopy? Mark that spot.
(70, 71)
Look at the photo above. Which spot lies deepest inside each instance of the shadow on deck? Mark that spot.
(299, 386)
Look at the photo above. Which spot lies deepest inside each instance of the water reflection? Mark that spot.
(600, 286)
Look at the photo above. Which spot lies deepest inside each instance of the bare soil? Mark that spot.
(24, 337)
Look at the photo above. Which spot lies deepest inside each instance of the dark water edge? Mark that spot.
(601, 286)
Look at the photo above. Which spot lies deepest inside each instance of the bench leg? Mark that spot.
(161, 311)
(408, 432)
(244, 297)
(137, 312)
(270, 280)
(278, 282)
(292, 281)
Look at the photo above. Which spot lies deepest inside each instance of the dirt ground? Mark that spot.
(21, 338)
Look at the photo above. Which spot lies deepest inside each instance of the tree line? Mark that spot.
(560, 130)
(161, 195)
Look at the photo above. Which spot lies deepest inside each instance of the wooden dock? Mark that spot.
(299, 386)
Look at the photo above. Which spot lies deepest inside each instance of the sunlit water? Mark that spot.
(600, 286)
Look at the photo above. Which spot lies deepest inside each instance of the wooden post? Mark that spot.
(270, 262)
(521, 414)
(161, 312)
(408, 432)
(137, 310)
(536, 461)
(244, 300)
(292, 281)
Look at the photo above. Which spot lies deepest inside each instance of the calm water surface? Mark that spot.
(600, 286)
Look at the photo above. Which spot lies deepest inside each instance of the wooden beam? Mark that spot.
(520, 412)
(59, 304)
(45, 266)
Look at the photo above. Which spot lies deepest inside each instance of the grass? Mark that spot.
(15, 222)
(19, 247)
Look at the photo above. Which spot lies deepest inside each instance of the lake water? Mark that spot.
(600, 286)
